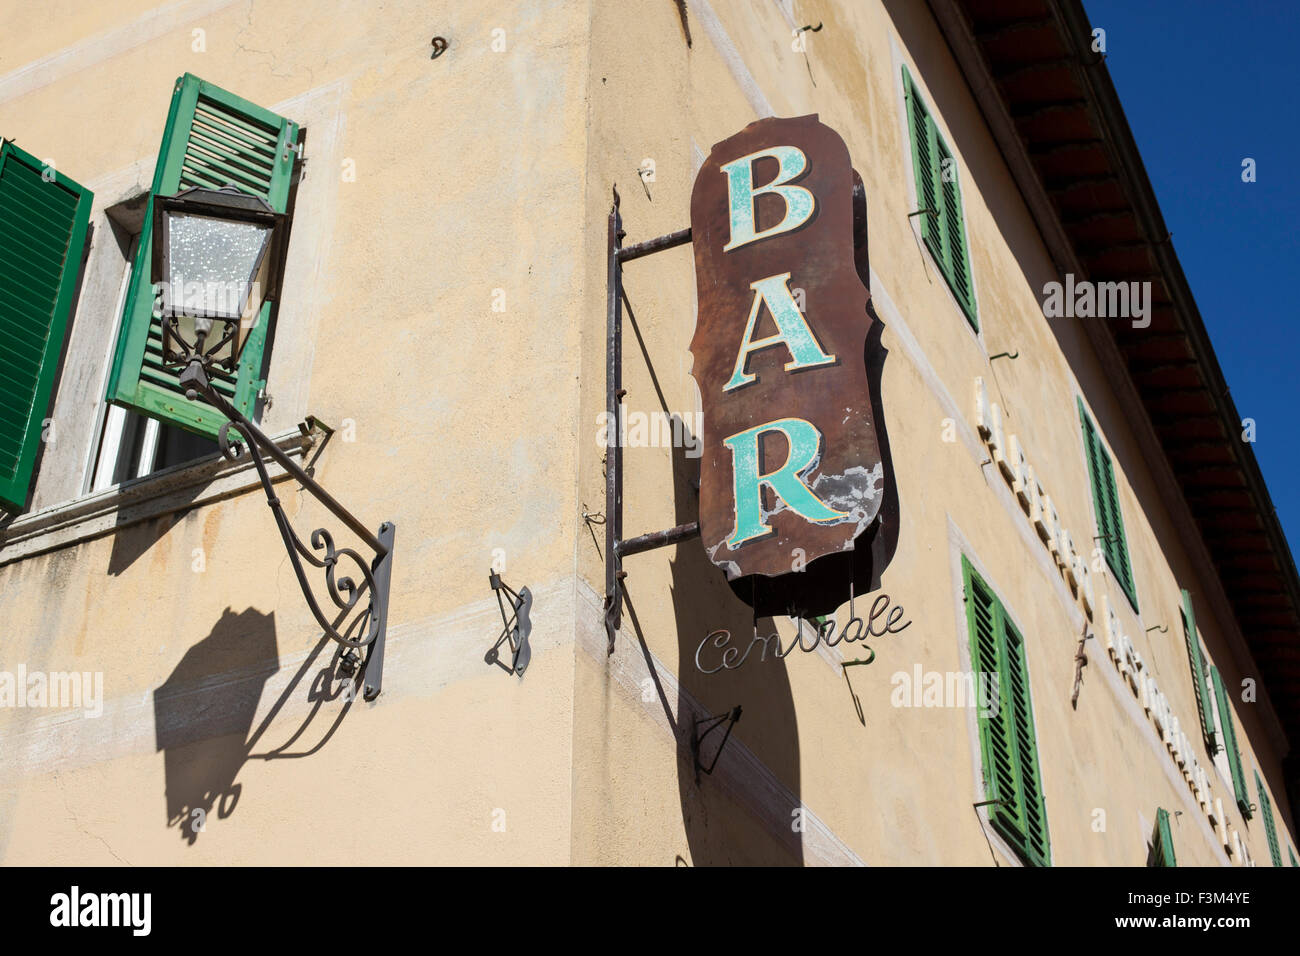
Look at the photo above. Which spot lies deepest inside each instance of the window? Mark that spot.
(939, 196)
(1197, 660)
(1162, 842)
(1105, 497)
(1230, 743)
(1270, 826)
(1007, 742)
(43, 221)
(212, 139)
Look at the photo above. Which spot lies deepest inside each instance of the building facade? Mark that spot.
(1075, 606)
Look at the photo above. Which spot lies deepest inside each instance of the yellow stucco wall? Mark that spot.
(476, 430)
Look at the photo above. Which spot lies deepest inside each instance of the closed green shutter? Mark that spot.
(943, 224)
(1162, 842)
(212, 139)
(1007, 743)
(1270, 827)
(1291, 853)
(1105, 497)
(1230, 743)
(43, 220)
(1198, 673)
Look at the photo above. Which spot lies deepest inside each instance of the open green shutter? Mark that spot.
(955, 255)
(44, 216)
(1162, 842)
(1105, 498)
(1197, 661)
(1230, 743)
(1007, 745)
(943, 229)
(1033, 807)
(924, 165)
(1270, 826)
(212, 139)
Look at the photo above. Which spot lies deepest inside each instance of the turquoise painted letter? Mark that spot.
(799, 202)
(791, 328)
(805, 448)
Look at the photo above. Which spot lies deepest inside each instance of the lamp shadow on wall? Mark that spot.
(205, 710)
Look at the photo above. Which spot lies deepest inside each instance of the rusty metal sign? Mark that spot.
(791, 467)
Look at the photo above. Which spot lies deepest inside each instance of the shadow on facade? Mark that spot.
(730, 820)
(205, 711)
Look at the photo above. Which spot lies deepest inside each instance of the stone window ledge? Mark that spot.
(139, 499)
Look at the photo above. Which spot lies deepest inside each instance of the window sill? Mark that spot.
(139, 499)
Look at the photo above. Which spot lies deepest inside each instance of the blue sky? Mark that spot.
(1205, 85)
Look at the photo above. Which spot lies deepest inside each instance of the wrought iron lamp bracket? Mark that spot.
(355, 626)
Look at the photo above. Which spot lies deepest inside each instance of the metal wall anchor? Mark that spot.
(515, 627)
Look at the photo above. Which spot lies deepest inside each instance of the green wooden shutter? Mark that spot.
(1230, 743)
(956, 260)
(44, 216)
(1162, 842)
(1007, 743)
(943, 230)
(1105, 497)
(212, 139)
(1197, 661)
(1291, 853)
(1270, 827)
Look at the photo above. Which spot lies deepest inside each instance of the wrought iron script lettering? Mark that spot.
(730, 657)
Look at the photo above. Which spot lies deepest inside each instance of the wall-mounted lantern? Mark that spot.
(217, 258)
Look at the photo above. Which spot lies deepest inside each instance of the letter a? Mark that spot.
(805, 448)
(799, 202)
(791, 328)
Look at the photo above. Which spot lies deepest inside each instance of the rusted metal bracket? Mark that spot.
(1080, 662)
(616, 548)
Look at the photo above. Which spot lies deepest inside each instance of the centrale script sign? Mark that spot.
(790, 455)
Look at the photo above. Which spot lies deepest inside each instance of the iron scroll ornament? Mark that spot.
(344, 591)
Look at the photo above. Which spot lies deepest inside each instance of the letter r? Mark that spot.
(805, 449)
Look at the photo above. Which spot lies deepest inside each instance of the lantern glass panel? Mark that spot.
(212, 264)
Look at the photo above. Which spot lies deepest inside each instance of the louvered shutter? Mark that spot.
(955, 255)
(1230, 743)
(43, 221)
(943, 229)
(1162, 842)
(1032, 804)
(1270, 826)
(924, 164)
(213, 139)
(1007, 744)
(1197, 661)
(1105, 497)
